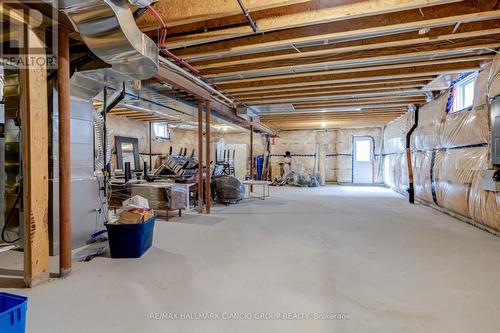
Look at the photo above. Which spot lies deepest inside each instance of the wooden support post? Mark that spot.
(207, 156)
(64, 109)
(34, 120)
(200, 157)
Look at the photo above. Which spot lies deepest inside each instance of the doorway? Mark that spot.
(362, 160)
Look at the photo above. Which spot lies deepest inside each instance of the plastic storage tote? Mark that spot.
(13, 313)
(130, 240)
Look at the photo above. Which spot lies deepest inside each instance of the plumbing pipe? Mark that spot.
(245, 11)
(411, 190)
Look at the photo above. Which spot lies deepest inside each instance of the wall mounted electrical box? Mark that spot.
(489, 183)
(495, 131)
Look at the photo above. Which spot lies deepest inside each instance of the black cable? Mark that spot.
(11, 212)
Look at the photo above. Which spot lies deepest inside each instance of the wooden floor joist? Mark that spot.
(368, 58)
(355, 77)
(303, 62)
(360, 46)
(318, 12)
(341, 86)
(361, 28)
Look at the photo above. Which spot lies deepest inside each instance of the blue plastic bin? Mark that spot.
(130, 240)
(13, 313)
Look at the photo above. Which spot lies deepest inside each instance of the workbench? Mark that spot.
(251, 183)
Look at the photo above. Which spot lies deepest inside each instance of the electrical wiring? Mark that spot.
(162, 40)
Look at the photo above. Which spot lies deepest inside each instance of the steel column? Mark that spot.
(207, 156)
(63, 87)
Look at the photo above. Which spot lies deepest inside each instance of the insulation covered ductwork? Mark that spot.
(109, 30)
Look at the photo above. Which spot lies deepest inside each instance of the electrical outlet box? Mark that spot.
(495, 130)
(488, 183)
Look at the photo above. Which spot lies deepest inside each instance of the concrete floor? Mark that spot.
(363, 252)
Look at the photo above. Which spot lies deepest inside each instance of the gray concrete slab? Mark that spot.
(361, 251)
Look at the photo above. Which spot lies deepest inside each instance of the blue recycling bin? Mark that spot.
(130, 240)
(13, 313)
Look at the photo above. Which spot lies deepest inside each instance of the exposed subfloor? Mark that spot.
(388, 266)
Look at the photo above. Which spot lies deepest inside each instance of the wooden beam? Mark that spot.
(389, 56)
(336, 114)
(333, 92)
(34, 116)
(319, 12)
(360, 68)
(388, 24)
(180, 82)
(182, 12)
(423, 71)
(363, 45)
(347, 86)
(346, 100)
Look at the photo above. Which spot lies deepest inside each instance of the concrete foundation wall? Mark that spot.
(180, 138)
(303, 145)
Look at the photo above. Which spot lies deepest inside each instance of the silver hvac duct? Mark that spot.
(109, 30)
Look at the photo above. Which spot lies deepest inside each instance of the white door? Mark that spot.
(362, 165)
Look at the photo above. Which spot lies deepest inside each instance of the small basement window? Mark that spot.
(161, 131)
(463, 93)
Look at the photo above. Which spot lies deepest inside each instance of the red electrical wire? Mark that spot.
(162, 40)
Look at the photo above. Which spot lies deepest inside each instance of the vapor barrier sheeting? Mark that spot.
(448, 153)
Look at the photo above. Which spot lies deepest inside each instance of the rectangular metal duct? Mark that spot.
(109, 30)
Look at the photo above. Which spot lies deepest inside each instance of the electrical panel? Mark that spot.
(495, 131)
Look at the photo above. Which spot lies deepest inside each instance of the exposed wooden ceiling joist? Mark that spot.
(181, 12)
(368, 27)
(318, 12)
(360, 67)
(368, 84)
(344, 99)
(355, 77)
(390, 55)
(363, 46)
(305, 67)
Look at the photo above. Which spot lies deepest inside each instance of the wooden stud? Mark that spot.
(34, 118)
